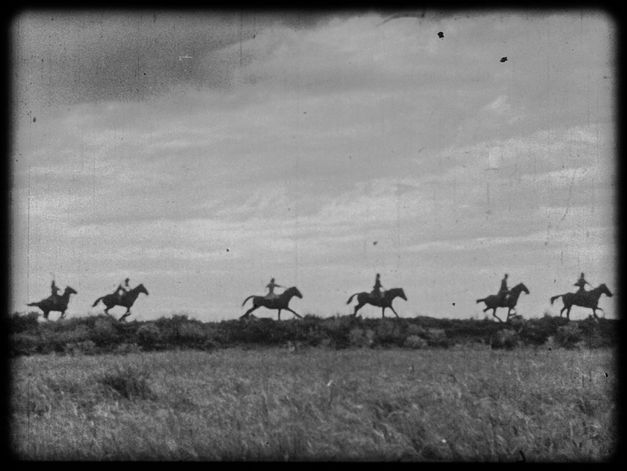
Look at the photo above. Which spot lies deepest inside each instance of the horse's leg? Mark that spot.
(247, 313)
(487, 308)
(383, 312)
(357, 308)
(394, 312)
(494, 314)
(279, 314)
(562, 310)
(294, 312)
(126, 314)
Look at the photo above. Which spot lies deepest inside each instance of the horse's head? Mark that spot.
(293, 291)
(521, 287)
(394, 292)
(605, 290)
(141, 289)
(69, 290)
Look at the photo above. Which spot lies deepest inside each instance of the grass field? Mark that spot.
(317, 404)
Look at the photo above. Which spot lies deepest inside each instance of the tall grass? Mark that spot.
(317, 404)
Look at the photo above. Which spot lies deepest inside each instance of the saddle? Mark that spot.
(376, 297)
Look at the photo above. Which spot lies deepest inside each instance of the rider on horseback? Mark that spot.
(55, 290)
(581, 282)
(271, 294)
(123, 289)
(504, 291)
(376, 289)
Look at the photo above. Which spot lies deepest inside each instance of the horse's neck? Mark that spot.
(392, 293)
(513, 298)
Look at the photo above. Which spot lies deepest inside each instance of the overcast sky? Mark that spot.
(202, 154)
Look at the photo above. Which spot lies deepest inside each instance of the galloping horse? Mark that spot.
(383, 302)
(280, 302)
(585, 299)
(492, 301)
(111, 300)
(55, 303)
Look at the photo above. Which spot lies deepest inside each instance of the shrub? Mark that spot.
(24, 344)
(413, 329)
(86, 347)
(21, 323)
(191, 332)
(437, 338)
(389, 332)
(104, 332)
(568, 336)
(128, 382)
(361, 338)
(125, 348)
(506, 338)
(415, 342)
(149, 336)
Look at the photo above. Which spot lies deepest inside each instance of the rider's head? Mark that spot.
(271, 280)
(582, 275)
(127, 280)
(506, 275)
(378, 275)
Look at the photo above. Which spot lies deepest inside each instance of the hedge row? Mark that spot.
(103, 334)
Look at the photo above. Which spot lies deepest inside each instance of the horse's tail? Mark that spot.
(251, 296)
(553, 298)
(34, 304)
(97, 301)
(351, 298)
(480, 300)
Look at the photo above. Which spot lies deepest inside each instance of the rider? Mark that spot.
(581, 282)
(55, 290)
(123, 288)
(376, 289)
(271, 294)
(504, 291)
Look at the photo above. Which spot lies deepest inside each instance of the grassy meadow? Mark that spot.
(314, 403)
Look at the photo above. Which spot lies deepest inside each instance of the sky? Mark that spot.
(203, 153)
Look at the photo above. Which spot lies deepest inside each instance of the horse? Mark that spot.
(55, 302)
(493, 302)
(279, 302)
(584, 299)
(127, 300)
(383, 302)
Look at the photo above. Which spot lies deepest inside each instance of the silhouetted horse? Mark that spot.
(111, 300)
(492, 301)
(280, 302)
(55, 303)
(383, 302)
(586, 299)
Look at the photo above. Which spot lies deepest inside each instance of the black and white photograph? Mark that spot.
(317, 235)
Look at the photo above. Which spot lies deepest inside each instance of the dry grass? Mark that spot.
(317, 404)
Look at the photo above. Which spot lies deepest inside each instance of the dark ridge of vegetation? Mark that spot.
(103, 334)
